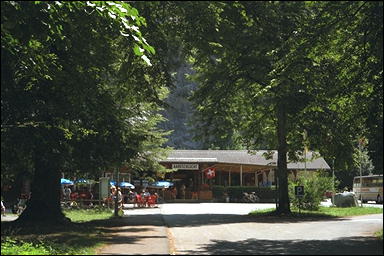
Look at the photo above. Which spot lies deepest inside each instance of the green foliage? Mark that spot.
(314, 188)
(350, 211)
(322, 212)
(349, 63)
(40, 246)
(361, 160)
(95, 92)
(11, 246)
(16, 247)
(218, 191)
(78, 91)
(84, 215)
(81, 240)
(292, 66)
(379, 234)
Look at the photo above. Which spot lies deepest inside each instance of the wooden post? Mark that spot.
(241, 175)
(116, 212)
(229, 177)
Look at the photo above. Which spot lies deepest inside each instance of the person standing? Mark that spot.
(182, 191)
(174, 193)
(119, 199)
(131, 196)
(67, 193)
(2, 208)
(112, 196)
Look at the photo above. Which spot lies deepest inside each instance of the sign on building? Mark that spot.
(186, 166)
(210, 172)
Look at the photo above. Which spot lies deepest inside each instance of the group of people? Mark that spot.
(142, 199)
(182, 192)
(78, 194)
(71, 199)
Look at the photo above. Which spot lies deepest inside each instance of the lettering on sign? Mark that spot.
(186, 166)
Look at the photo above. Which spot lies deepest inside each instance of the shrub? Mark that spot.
(44, 246)
(218, 192)
(15, 247)
(314, 188)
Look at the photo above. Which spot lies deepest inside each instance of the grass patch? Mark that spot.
(349, 211)
(379, 234)
(88, 214)
(81, 237)
(329, 212)
(17, 246)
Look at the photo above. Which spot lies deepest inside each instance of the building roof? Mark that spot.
(241, 157)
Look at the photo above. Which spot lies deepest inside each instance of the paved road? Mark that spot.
(225, 229)
(143, 232)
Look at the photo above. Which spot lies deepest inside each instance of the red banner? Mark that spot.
(210, 172)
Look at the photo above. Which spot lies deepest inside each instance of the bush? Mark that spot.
(314, 188)
(45, 246)
(11, 246)
(218, 192)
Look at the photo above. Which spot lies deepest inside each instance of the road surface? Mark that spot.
(225, 228)
(215, 228)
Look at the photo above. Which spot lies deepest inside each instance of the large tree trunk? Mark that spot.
(44, 204)
(284, 204)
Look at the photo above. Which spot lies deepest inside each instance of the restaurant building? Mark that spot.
(198, 170)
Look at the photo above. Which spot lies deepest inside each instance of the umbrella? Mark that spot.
(125, 184)
(161, 184)
(122, 184)
(66, 182)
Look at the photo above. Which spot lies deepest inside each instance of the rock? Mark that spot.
(346, 199)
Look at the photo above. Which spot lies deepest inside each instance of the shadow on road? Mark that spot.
(185, 220)
(343, 246)
(125, 230)
(192, 220)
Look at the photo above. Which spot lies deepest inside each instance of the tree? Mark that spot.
(237, 87)
(362, 161)
(344, 41)
(78, 92)
(270, 70)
